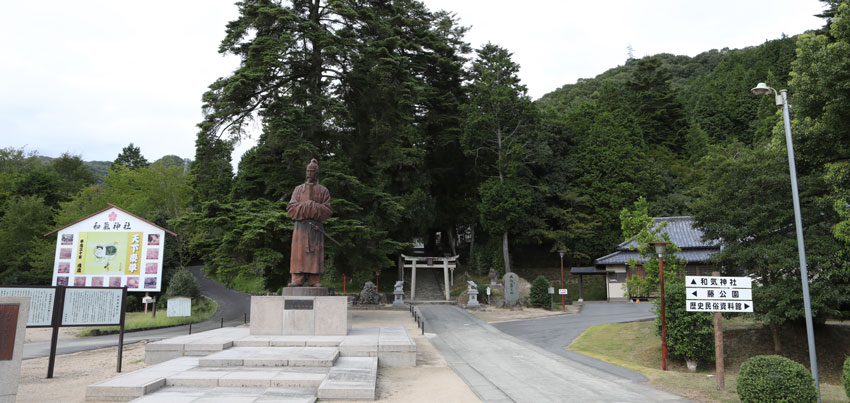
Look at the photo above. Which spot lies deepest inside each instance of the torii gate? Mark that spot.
(412, 262)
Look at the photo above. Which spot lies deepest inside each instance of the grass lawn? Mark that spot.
(636, 346)
(202, 309)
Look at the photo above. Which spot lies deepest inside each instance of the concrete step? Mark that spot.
(182, 394)
(272, 357)
(351, 378)
(301, 377)
(195, 345)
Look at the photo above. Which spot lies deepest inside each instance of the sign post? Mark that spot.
(719, 294)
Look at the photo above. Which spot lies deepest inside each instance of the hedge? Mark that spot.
(771, 378)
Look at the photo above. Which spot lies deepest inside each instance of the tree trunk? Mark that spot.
(452, 240)
(505, 253)
(472, 247)
(777, 344)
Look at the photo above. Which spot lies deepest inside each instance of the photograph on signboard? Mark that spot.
(151, 268)
(132, 282)
(65, 253)
(115, 281)
(79, 281)
(62, 280)
(150, 282)
(153, 239)
(97, 281)
(152, 254)
(64, 267)
(67, 239)
(109, 252)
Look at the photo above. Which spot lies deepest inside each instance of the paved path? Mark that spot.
(232, 307)
(554, 333)
(501, 368)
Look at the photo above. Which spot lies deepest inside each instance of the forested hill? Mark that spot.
(713, 86)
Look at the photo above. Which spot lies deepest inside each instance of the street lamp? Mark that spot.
(660, 249)
(781, 99)
(563, 304)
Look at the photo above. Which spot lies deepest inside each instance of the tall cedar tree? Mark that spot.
(501, 133)
(364, 87)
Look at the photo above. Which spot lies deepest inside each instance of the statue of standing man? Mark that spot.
(309, 206)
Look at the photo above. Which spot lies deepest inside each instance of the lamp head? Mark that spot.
(660, 247)
(761, 89)
(561, 252)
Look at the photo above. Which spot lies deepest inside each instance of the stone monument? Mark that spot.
(494, 276)
(398, 293)
(309, 206)
(14, 312)
(511, 289)
(473, 295)
(369, 295)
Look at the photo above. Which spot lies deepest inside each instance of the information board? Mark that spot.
(92, 306)
(41, 303)
(111, 248)
(179, 306)
(719, 294)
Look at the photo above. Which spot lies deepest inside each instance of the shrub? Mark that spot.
(540, 292)
(771, 378)
(183, 284)
(845, 376)
(690, 335)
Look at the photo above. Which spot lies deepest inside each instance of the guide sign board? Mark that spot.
(719, 294)
(110, 248)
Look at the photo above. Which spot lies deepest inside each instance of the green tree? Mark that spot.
(501, 133)
(659, 113)
(131, 157)
(28, 255)
(819, 88)
(367, 89)
(641, 230)
(539, 296)
(744, 201)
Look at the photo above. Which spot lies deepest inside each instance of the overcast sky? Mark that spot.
(89, 77)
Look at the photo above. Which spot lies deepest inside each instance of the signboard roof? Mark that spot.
(101, 211)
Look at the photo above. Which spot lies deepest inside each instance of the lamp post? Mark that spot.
(563, 303)
(781, 99)
(660, 248)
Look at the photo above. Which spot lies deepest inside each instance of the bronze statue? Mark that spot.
(309, 206)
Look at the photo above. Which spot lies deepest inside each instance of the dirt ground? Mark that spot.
(431, 380)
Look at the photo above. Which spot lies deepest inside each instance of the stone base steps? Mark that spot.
(178, 394)
(231, 366)
(272, 357)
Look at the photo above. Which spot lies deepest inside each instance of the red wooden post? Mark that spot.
(663, 316)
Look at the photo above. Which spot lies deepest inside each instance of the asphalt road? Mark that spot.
(553, 333)
(501, 368)
(232, 307)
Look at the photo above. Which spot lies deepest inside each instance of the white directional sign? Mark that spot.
(719, 306)
(719, 294)
(709, 281)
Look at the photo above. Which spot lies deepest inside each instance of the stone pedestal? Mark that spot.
(304, 292)
(299, 316)
(14, 312)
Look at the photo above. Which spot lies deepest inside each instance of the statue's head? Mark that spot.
(313, 171)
